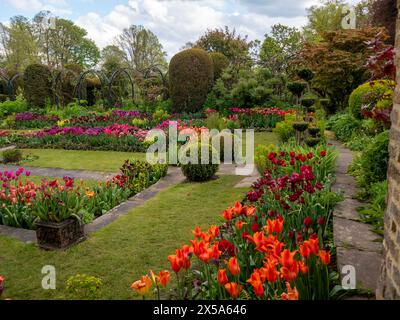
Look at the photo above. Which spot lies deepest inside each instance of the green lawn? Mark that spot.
(122, 251)
(107, 161)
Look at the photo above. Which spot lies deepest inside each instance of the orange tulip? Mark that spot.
(314, 246)
(237, 208)
(197, 232)
(290, 273)
(233, 266)
(90, 194)
(303, 267)
(142, 286)
(287, 258)
(269, 272)
(257, 283)
(305, 250)
(222, 277)
(228, 214)
(233, 289)
(213, 230)
(274, 226)
(174, 261)
(206, 237)
(239, 224)
(163, 277)
(325, 257)
(250, 211)
(291, 294)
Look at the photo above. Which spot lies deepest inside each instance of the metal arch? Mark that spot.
(55, 81)
(100, 75)
(10, 86)
(114, 75)
(155, 68)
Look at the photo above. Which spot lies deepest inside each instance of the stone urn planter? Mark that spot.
(52, 235)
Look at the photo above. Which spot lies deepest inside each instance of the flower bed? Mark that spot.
(24, 202)
(273, 245)
(265, 118)
(118, 137)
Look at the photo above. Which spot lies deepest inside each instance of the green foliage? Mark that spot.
(374, 211)
(9, 107)
(232, 45)
(37, 85)
(245, 88)
(82, 286)
(12, 156)
(369, 94)
(197, 171)
(261, 157)
(191, 76)
(220, 62)
(215, 121)
(305, 74)
(279, 47)
(371, 165)
(344, 125)
(160, 115)
(297, 88)
(284, 129)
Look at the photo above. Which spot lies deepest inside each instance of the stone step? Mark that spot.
(347, 209)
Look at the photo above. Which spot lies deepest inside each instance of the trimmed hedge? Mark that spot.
(191, 76)
(360, 96)
(37, 85)
(220, 62)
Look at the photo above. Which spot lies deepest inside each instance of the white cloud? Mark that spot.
(176, 22)
(25, 5)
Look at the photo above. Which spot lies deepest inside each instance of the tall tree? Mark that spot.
(142, 48)
(112, 58)
(21, 45)
(235, 47)
(279, 47)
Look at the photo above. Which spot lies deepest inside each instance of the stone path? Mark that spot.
(356, 244)
(56, 172)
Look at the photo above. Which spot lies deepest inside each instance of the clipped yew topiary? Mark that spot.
(220, 62)
(37, 85)
(368, 93)
(198, 171)
(191, 76)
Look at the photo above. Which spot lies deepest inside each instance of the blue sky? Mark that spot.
(175, 22)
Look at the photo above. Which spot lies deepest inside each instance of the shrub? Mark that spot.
(297, 88)
(220, 62)
(9, 107)
(83, 286)
(284, 129)
(37, 84)
(369, 93)
(305, 74)
(198, 171)
(191, 76)
(160, 115)
(261, 157)
(344, 126)
(375, 158)
(12, 156)
(214, 121)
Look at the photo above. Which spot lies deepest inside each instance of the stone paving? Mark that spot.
(356, 244)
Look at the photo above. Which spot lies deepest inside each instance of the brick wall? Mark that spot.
(389, 285)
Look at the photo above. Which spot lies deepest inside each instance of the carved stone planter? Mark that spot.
(51, 235)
